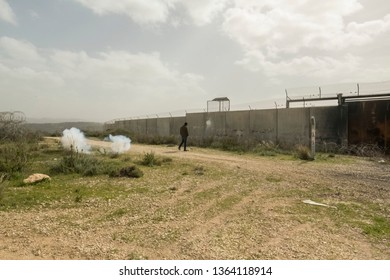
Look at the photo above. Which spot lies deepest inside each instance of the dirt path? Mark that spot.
(361, 179)
(243, 207)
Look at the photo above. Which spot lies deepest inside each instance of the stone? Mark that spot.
(35, 178)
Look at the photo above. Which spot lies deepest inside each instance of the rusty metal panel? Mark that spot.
(369, 123)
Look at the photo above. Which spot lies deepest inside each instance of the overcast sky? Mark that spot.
(97, 60)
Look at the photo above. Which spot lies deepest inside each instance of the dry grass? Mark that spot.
(203, 204)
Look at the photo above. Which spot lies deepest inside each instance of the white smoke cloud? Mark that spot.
(74, 139)
(120, 143)
(208, 124)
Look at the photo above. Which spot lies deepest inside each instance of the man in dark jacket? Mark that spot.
(184, 135)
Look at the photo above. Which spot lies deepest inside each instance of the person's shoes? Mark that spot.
(179, 148)
(185, 150)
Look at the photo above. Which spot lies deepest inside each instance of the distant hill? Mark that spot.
(58, 128)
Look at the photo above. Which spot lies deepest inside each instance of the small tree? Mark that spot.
(11, 126)
(15, 142)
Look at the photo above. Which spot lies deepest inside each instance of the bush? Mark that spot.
(2, 185)
(74, 162)
(156, 140)
(131, 171)
(303, 152)
(14, 156)
(150, 159)
(266, 148)
(228, 144)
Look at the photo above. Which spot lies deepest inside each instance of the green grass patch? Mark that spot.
(273, 179)
(378, 228)
(117, 213)
(63, 191)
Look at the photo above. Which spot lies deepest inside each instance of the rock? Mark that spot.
(35, 178)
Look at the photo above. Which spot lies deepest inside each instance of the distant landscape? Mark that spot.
(58, 128)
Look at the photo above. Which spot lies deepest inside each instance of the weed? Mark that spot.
(199, 170)
(79, 163)
(78, 198)
(227, 144)
(273, 179)
(207, 195)
(380, 227)
(228, 202)
(150, 160)
(266, 148)
(303, 152)
(131, 171)
(156, 140)
(135, 256)
(166, 160)
(14, 156)
(117, 213)
(2, 185)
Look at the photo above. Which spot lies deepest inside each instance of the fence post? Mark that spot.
(313, 136)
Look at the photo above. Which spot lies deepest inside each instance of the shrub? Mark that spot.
(266, 148)
(303, 152)
(74, 162)
(2, 185)
(227, 144)
(131, 171)
(14, 156)
(155, 140)
(150, 159)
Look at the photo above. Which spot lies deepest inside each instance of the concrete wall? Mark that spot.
(286, 127)
(264, 125)
(293, 126)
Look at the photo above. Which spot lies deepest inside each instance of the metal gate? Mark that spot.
(369, 123)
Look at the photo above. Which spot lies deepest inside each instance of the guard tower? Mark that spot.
(219, 104)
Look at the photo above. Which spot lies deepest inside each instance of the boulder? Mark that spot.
(35, 178)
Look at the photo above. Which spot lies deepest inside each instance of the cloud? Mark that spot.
(18, 50)
(6, 13)
(119, 80)
(140, 74)
(286, 26)
(143, 12)
(204, 11)
(280, 36)
(140, 11)
(322, 66)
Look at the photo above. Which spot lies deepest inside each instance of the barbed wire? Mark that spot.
(330, 90)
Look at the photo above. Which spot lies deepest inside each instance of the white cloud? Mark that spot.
(6, 13)
(286, 26)
(282, 37)
(158, 11)
(118, 80)
(142, 12)
(19, 50)
(204, 11)
(303, 66)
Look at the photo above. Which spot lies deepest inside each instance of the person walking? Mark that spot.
(184, 136)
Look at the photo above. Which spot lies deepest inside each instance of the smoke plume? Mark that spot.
(208, 124)
(120, 143)
(74, 139)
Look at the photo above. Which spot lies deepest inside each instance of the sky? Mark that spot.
(98, 60)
